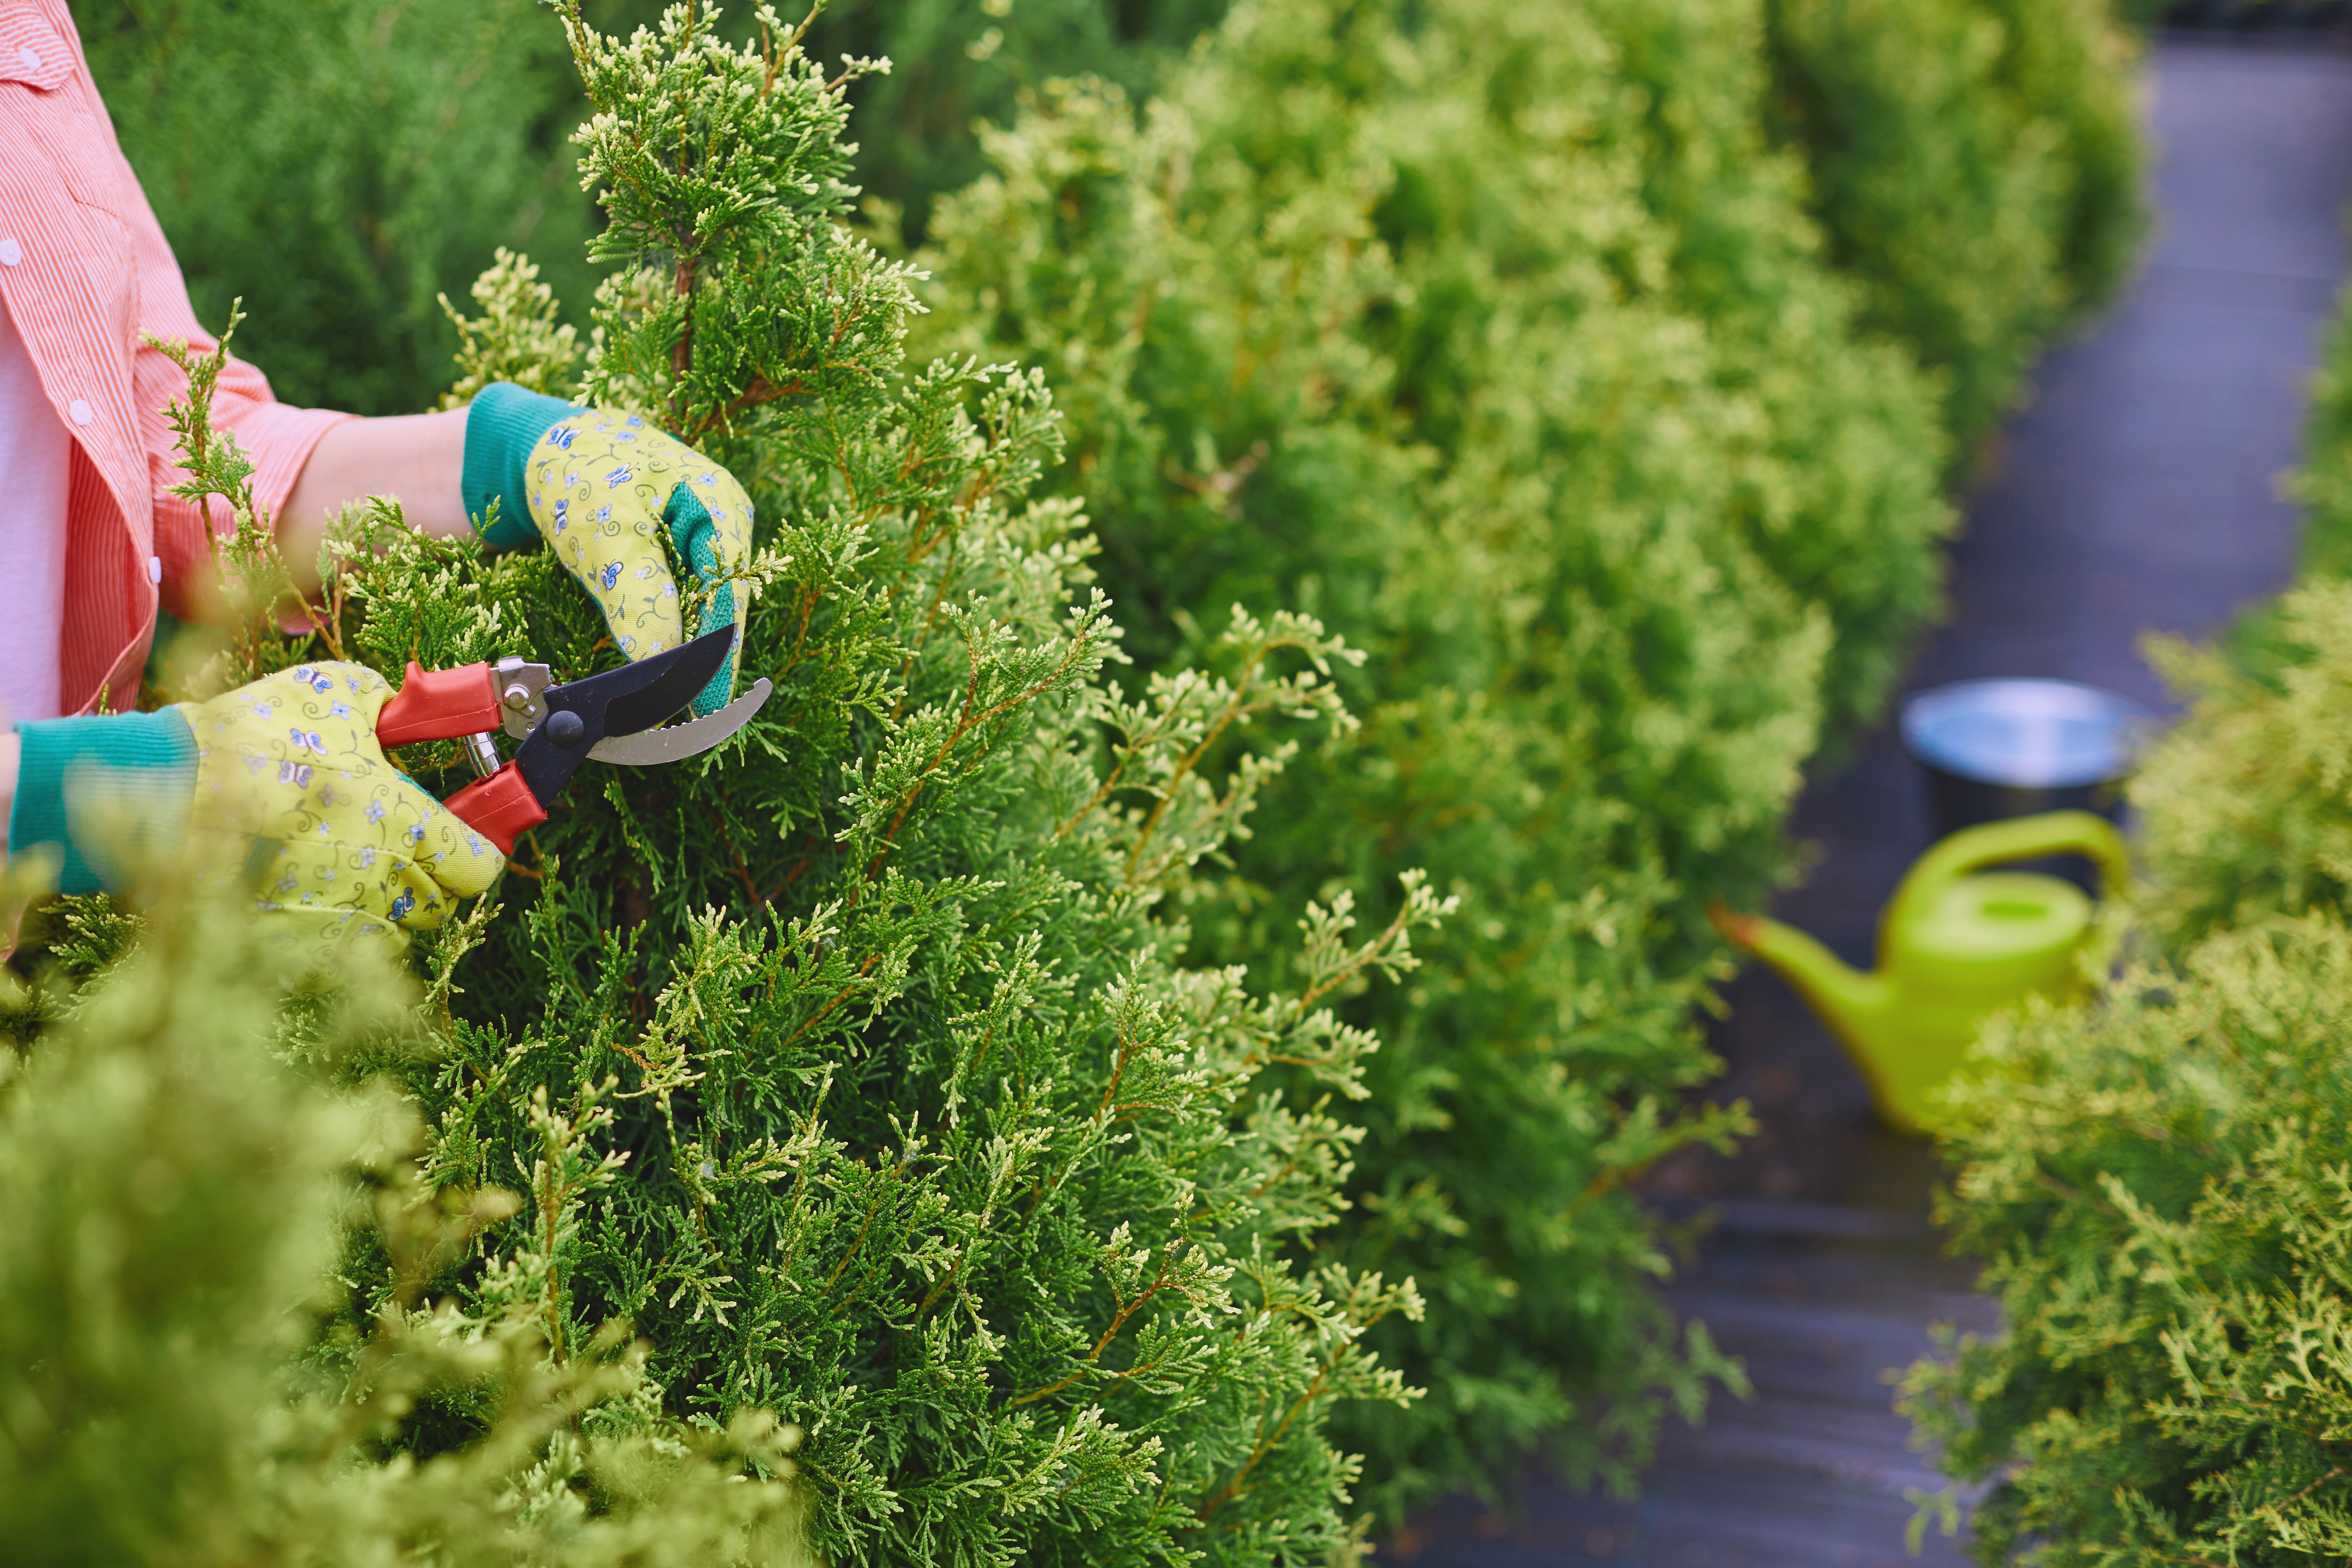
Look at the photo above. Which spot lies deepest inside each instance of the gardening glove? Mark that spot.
(618, 499)
(283, 776)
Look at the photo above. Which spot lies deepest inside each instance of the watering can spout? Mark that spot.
(1848, 1000)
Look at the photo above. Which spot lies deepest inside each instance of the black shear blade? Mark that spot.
(618, 702)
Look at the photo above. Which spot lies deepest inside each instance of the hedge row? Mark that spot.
(1497, 337)
(1393, 329)
(1975, 169)
(2157, 1180)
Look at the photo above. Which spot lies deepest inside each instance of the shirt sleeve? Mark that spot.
(276, 436)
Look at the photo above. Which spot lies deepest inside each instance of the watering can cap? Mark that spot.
(2024, 735)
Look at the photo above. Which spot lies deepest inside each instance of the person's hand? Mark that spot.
(282, 778)
(291, 764)
(619, 501)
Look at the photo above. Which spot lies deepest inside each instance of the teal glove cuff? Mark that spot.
(694, 536)
(133, 773)
(502, 424)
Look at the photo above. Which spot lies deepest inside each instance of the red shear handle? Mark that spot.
(440, 705)
(497, 807)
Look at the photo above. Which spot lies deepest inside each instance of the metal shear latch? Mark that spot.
(522, 696)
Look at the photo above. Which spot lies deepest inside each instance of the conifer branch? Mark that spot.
(257, 585)
(1122, 1312)
(971, 717)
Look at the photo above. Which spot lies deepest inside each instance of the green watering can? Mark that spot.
(1956, 944)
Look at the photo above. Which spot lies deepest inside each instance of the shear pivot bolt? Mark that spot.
(518, 696)
(565, 729)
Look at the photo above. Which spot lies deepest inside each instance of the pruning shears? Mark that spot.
(612, 717)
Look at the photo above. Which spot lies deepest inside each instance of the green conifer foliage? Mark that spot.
(1495, 336)
(181, 1380)
(955, 63)
(2324, 483)
(850, 1063)
(2157, 1185)
(1976, 167)
(1975, 164)
(2247, 810)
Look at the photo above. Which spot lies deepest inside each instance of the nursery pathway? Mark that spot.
(2137, 492)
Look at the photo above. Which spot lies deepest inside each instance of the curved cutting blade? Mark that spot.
(648, 747)
(618, 702)
(640, 696)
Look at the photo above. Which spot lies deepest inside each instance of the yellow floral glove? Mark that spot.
(348, 842)
(282, 778)
(619, 501)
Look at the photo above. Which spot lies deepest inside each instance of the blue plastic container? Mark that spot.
(1998, 749)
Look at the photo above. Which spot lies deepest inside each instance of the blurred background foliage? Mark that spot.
(340, 162)
(2324, 483)
(302, 154)
(1974, 166)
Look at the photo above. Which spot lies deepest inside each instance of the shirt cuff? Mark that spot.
(107, 792)
(502, 424)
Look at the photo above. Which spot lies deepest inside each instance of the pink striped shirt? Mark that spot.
(86, 269)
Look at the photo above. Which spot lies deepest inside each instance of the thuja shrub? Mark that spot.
(2156, 1185)
(185, 1157)
(1975, 164)
(891, 1113)
(2155, 1179)
(2247, 810)
(1976, 168)
(1496, 337)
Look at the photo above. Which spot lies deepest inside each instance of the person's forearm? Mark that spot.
(11, 912)
(415, 458)
(10, 748)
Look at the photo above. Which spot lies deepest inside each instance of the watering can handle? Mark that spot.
(2018, 839)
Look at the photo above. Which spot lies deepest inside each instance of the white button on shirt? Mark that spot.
(80, 412)
(10, 253)
(29, 58)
